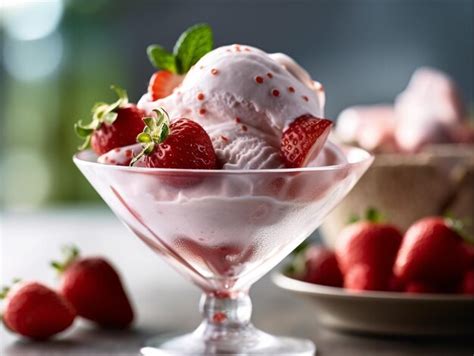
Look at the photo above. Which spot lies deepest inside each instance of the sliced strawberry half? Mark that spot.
(303, 140)
(162, 84)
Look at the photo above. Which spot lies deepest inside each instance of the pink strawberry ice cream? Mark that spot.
(244, 98)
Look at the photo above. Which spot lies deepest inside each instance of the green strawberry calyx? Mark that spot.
(458, 225)
(101, 113)
(5, 289)
(193, 43)
(70, 254)
(297, 265)
(157, 129)
(371, 214)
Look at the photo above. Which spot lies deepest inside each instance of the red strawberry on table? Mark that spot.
(162, 84)
(94, 288)
(432, 252)
(181, 144)
(113, 125)
(36, 311)
(303, 140)
(369, 247)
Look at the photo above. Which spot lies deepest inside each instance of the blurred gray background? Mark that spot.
(59, 57)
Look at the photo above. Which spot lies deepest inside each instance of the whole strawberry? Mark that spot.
(364, 277)
(303, 140)
(467, 283)
(432, 252)
(469, 249)
(181, 144)
(36, 311)
(112, 126)
(421, 288)
(94, 288)
(321, 267)
(370, 247)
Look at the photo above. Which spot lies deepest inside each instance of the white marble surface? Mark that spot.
(164, 301)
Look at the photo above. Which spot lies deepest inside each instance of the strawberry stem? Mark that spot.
(70, 253)
(297, 265)
(4, 292)
(101, 113)
(5, 289)
(459, 226)
(371, 215)
(157, 129)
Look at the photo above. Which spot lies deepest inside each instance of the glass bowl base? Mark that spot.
(250, 341)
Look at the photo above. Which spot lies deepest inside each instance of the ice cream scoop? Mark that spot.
(244, 98)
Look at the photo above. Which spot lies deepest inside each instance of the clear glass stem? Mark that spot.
(225, 314)
(226, 329)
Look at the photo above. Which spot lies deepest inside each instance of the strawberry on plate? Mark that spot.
(181, 144)
(303, 140)
(366, 251)
(113, 125)
(94, 288)
(162, 83)
(321, 267)
(469, 248)
(432, 251)
(467, 283)
(36, 311)
(364, 277)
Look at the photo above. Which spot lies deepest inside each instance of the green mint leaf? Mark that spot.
(194, 43)
(161, 58)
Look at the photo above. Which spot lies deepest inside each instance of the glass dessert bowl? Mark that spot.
(223, 230)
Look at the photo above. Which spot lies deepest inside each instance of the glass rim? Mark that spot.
(366, 157)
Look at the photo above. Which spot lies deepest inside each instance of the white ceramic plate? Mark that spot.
(385, 312)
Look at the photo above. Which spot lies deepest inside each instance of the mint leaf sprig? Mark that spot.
(101, 113)
(157, 129)
(193, 43)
